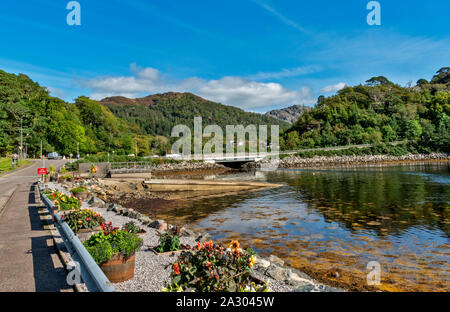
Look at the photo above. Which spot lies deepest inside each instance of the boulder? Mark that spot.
(276, 260)
(261, 263)
(146, 220)
(114, 207)
(204, 237)
(96, 202)
(160, 225)
(277, 272)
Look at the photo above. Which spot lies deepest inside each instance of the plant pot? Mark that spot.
(84, 234)
(118, 268)
(81, 195)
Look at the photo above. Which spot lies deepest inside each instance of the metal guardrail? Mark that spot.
(95, 274)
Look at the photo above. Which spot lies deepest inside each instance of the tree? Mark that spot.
(378, 81)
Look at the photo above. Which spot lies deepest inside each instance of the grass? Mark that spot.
(6, 164)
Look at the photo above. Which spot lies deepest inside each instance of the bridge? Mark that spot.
(235, 160)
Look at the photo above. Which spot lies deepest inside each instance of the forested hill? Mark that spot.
(62, 127)
(158, 113)
(376, 112)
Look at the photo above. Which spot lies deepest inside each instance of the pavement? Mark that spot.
(28, 260)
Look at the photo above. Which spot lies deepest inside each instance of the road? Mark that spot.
(28, 259)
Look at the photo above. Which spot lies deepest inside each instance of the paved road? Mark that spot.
(28, 260)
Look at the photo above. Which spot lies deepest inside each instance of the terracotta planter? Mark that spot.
(84, 234)
(118, 268)
(81, 195)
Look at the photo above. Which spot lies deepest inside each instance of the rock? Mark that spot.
(146, 220)
(114, 207)
(262, 263)
(294, 280)
(276, 260)
(305, 288)
(277, 272)
(204, 237)
(96, 202)
(187, 232)
(160, 225)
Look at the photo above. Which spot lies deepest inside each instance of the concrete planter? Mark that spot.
(118, 268)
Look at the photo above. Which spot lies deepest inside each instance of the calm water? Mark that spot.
(342, 219)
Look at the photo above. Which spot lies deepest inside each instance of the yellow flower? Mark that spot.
(252, 261)
(79, 221)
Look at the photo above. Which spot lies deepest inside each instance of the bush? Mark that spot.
(102, 246)
(132, 228)
(168, 242)
(79, 190)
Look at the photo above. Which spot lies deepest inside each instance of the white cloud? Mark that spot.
(293, 72)
(333, 88)
(237, 91)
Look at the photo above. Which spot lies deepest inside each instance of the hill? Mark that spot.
(289, 114)
(157, 114)
(61, 126)
(378, 112)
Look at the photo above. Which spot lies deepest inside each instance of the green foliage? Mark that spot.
(132, 228)
(79, 190)
(103, 245)
(168, 241)
(61, 126)
(380, 111)
(158, 114)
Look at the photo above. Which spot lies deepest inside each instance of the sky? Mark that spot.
(257, 55)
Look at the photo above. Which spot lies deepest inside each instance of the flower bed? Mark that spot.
(83, 219)
(211, 267)
(64, 202)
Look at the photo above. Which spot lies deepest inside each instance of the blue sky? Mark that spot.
(253, 54)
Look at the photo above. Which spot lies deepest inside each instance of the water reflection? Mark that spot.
(323, 219)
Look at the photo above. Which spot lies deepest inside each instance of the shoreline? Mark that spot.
(352, 161)
(152, 270)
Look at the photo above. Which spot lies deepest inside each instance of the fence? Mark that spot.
(91, 273)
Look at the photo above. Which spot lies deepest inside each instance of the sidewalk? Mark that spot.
(28, 259)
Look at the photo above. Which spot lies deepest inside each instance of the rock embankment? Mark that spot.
(323, 161)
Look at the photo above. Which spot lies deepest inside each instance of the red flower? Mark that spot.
(176, 268)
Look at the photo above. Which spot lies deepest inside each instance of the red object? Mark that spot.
(42, 171)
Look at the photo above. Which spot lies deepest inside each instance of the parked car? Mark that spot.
(53, 155)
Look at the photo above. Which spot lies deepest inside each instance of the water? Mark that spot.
(331, 220)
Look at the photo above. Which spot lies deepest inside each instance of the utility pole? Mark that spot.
(78, 150)
(136, 147)
(21, 144)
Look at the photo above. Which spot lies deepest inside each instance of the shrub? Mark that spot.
(102, 246)
(79, 190)
(168, 242)
(211, 267)
(131, 227)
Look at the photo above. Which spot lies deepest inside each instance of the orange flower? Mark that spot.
(199, 247)
(176, 268)
(235, 244)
